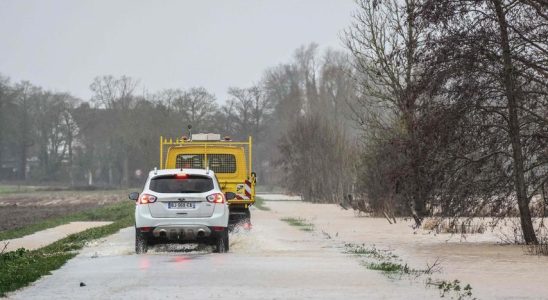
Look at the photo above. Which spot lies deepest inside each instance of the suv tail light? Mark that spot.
(146, 198)
(216, 198)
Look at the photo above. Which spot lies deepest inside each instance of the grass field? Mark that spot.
(12, 189)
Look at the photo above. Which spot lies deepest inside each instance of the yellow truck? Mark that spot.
(230, 160)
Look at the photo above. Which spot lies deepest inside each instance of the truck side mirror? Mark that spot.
(230, 195)
(133, 196)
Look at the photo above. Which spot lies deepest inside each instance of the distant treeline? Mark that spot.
(54, 137)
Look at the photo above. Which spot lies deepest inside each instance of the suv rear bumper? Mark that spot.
(185, 232)
(182, 233)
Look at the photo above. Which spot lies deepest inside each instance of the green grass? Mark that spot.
(385, 261)
(299, 222)
(392, 266)
(13, 189)
(104, 213)
(370, 252)
(259, 203)
(454, 289)
(388, 267)
(21, 267)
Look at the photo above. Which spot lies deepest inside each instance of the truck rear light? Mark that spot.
(216, 198)
(146, 198)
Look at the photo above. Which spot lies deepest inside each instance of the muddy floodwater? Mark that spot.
(493, 270)
(278, 261)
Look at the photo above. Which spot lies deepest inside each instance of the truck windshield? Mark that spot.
(218, 163)
(178, 184)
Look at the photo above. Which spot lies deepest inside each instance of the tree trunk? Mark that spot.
(22, 164)
(125, 172)
(110, 179)
(418, 199)
(70, 158)
(1, 130)
(514, 132)
(23, 149)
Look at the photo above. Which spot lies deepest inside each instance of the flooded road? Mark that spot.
(277, 261)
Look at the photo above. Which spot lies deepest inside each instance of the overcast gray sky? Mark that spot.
(63, 45)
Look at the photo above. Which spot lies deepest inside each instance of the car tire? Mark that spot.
(221, 244)
(227, 242)
(141, 245)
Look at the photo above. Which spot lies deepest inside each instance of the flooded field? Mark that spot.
(493, 270)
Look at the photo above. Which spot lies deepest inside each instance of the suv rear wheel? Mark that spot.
(222, 242)
(141, 245)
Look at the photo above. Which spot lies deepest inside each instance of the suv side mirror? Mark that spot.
(133, 196)
(230, 195)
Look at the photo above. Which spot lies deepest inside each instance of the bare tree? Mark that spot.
(251, 110)
(198, 106)
(113, 93)
(317, 160)
(5, 97)
(491, 55)
(337, 89)
(387, 42)
(117, 96)
(25, 97)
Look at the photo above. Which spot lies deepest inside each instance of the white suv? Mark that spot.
(181, 206)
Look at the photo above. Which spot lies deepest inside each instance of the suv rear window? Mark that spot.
(175, 184)
(218, 163)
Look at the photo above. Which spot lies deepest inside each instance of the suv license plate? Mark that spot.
(181, 205)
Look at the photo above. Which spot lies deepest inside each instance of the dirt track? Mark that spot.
(277, 261)
(48, 236)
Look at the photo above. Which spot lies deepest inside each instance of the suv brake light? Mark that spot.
(216, 198)
(146, 198)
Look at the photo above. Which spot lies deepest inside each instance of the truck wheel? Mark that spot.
(247, 214)
(221, 244)
(247, 221)
(141, 245)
